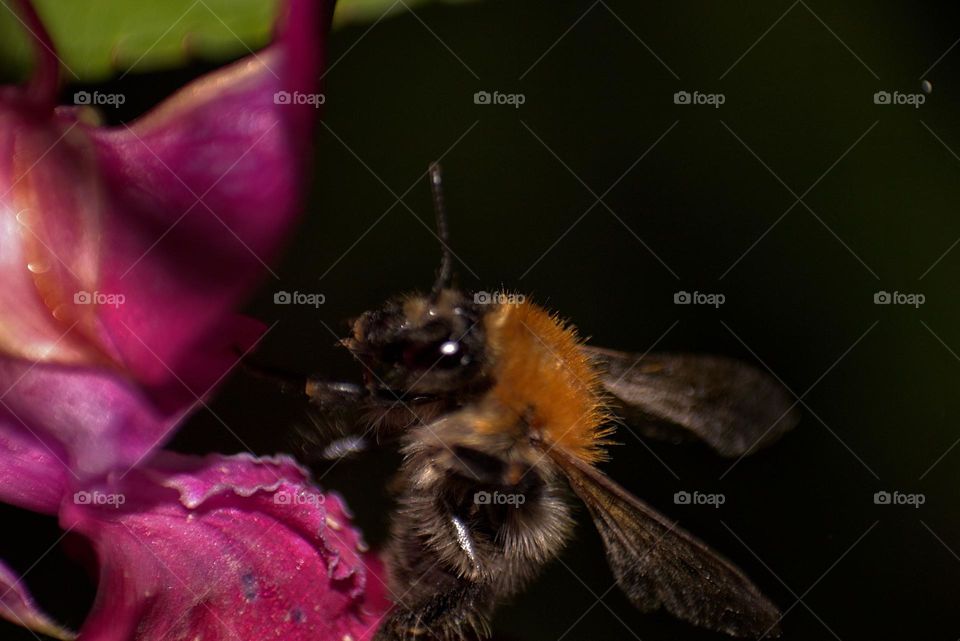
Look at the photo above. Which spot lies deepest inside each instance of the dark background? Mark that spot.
(878, 382)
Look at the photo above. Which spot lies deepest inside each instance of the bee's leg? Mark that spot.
(390, 411)
(287, 382)
(334, 393)
(337, 426)
(320, 392)
(437, 605)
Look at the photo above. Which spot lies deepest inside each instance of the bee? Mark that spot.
(501, 412)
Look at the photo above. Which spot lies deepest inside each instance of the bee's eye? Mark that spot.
(446, 354)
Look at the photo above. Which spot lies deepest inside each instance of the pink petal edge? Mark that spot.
(225, 548)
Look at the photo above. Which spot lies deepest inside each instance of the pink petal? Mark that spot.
(48, 197)
(225, 548)
(18, 607)
(112, 215)
(88, 420)
(168, 222)
(196, 480)
(212, 179)
(32, 476)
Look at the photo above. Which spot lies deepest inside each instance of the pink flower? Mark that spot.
(226, 547)
(217, 548)
(124, 251)
(123, 255)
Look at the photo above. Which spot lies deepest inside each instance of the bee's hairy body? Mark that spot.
(452, 555)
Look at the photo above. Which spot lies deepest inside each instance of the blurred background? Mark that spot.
(780, 179)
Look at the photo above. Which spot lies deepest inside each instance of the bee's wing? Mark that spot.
(658, 564)
(732, 407)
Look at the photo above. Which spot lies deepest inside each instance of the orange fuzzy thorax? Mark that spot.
(542, 375)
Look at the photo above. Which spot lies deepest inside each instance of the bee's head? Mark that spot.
(430, 344)
(421, 344)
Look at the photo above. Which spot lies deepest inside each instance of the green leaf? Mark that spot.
(97, 39)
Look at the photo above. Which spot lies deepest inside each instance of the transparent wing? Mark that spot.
(732, 407)
(657, 564)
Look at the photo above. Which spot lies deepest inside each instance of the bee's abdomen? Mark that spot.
(462, 542)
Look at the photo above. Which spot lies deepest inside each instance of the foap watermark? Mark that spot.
(499, 498)
(698, 498)
(699, 98)
(298, 298)
(899, 498)
(288, 497)
(98, 298)
(698, 298)
(98, 98)
(898, 298)
(498, 298)
(899, 98)
(298, 98)
(99, 498)
(498, 98)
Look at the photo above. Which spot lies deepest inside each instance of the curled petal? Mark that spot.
(197, 480)
(212, 182)
(225, 548)
(132, 245)
(213, 178)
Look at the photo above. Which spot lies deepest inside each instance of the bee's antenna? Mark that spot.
(445, 275)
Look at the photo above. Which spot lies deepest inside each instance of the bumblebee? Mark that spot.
(500, 410)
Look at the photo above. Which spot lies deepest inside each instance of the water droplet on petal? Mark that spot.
(38, 267)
